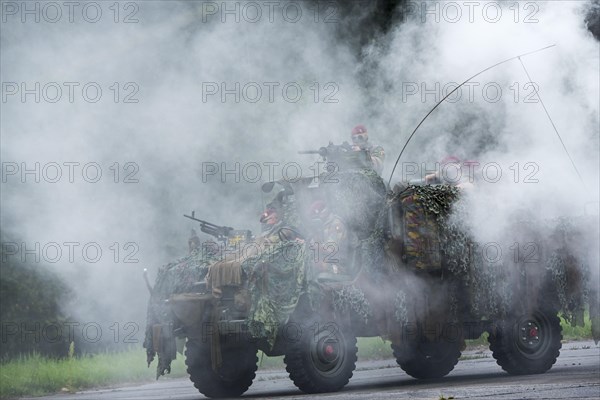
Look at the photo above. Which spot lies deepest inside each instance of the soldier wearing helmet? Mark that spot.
(360, 141)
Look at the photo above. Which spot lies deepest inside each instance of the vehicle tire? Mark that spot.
(423, 359)
(322, 359)
(529, 344)
(232, 379)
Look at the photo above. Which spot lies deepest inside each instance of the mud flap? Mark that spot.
(215, 341)
(163, 343)
(163, 340)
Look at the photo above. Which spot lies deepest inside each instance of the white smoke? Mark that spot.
(175, 50)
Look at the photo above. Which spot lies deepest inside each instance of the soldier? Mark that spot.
(228, 271)
(448, 174)
(193, 242)
(334, 244)
(360, 141)
(470, 176)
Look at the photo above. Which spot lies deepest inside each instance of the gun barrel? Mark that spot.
(220, 232)
(309, 152)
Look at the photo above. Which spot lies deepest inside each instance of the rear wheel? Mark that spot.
(322, 359)
(232, 378)
(529, 344)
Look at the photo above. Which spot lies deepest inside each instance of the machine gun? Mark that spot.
(343, 156)
(222, 233)
(330, 150)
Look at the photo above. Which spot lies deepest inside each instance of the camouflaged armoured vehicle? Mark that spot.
(404, 270)
(291, 297)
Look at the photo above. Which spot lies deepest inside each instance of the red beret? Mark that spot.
(449, 160)
(359, 129)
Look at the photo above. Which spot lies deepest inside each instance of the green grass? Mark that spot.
(374, 348)
(266, 362)
(35, 375)
(577, 332)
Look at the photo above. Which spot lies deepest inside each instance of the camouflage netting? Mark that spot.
(276, 279)
(352, 299)
(401, 308)
(489, 286)
(431, 237)
(571, 249)
(359, 199)
(569, 282)
(434, 240)
(173, 278)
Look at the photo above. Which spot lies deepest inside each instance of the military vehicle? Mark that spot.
(401, 266)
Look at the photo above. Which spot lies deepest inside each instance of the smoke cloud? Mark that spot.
(193, 98)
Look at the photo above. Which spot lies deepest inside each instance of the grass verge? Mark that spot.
(577, 332)
(35, 375)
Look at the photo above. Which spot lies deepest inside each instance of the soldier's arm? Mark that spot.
(377, 158)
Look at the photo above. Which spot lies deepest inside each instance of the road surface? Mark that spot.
(576, 375)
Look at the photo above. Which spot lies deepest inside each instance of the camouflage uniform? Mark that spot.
(193, 242)
(360, 138)
(228, 270)
(377, 157)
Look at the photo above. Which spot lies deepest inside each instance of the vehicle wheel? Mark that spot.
(322, 359)
(423, 359)
(232, 379)
(529, 344)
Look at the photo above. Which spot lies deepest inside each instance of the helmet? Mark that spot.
(359, 134)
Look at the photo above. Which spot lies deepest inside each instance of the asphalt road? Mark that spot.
(576, 375)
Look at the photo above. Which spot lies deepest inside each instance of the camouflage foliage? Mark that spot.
(572, 300)
(569, 268)
(434, 239)
(431, 237)
(358, 198)
(352, 299)
(401, 308)
(173, 278)
(276, 279)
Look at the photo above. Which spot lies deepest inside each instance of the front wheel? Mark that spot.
(322, 359)
(529, 344)
(232, 378)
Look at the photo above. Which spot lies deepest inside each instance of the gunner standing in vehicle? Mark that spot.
(360, 141)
